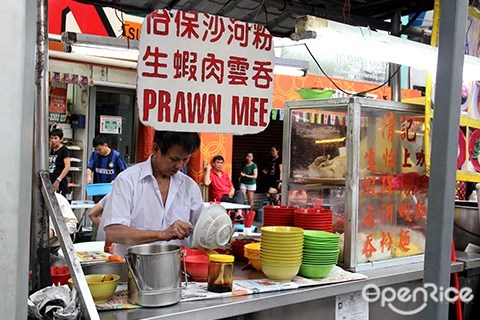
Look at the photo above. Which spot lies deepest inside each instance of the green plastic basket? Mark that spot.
(315, 93)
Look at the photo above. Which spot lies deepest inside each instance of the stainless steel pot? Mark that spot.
(466, 224)
(154, 275)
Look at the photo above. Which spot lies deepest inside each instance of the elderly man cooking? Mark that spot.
(153, 201)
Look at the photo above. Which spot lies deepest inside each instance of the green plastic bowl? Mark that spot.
(315, 271)
(315, 93)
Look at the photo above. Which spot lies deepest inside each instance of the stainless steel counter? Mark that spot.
(470, 260)
(297, 299)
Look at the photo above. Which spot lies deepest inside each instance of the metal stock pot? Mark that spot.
(154, 274)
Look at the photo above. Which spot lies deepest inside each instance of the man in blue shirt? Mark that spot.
(104, 163)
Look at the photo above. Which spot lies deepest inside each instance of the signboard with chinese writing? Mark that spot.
(111, 124)
(204, 73)
(57, 107)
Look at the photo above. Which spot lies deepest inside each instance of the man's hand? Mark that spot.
(178, 230)
(231, 193)
(88, 180)
(207, 167)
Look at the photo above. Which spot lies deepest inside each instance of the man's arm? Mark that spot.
(232, 188)
(95, 214)
(206, 175)
(127, 235)
(88, 176)
(90, 166)
(63, 174)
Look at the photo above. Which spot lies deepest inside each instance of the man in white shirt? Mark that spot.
(70, 220)
(153, 201)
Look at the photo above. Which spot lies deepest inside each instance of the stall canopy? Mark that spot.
(279, 16)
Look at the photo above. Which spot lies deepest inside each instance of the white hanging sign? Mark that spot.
(204, 73)
(111, 124)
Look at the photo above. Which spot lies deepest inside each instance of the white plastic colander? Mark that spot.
(213, 228)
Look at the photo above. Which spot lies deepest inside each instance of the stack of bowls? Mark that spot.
(196, 262)
(281, 252)
(320, 253)
(252, 253)
(278, 215)
(314, 219)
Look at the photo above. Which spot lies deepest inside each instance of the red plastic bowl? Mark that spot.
(237, 248)
(193, 252)
(283, 209)
(59, 275)
(197, 267)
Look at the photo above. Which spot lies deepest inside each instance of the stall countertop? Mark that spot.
(471, 260)
(240, 305)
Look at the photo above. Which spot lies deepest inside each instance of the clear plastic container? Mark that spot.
(220, 273)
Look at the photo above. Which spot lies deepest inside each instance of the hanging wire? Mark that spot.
(346, 11)
(258, 11)
(362, 93)
(120, 18)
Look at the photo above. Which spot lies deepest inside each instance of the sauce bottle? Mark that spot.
(220, 273)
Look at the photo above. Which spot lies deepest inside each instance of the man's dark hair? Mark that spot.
(189, 141)
(217, 157)
(57, 133)
(99, 140)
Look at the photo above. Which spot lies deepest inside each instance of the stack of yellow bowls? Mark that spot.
(252, 253)
(281, 252)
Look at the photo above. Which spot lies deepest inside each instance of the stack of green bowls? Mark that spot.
(281, 252)
(320, 253)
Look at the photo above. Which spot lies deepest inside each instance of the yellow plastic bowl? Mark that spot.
(282, 231)
(252, 247)
(282, 240)
(282, 261)
(282, 246)
(280, 273)
(255, 263)
(102, 286)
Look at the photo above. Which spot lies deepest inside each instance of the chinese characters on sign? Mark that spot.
(57, 108)
(396, 166)
(204, 73)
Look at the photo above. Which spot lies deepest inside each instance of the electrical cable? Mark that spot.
(258, 11)
(361, 94)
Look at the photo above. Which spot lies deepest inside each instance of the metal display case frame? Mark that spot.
(353, 107)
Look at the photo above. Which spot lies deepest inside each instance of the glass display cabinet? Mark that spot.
(363, 159)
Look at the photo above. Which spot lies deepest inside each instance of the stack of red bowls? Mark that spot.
(279, 216)
(314, 219)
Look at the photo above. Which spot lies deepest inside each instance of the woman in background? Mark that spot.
(248, 178)
(273, 171)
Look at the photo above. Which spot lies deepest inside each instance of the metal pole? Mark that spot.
(441, 191)
(40, 252)
(396, 80)
(86, 301)
(16, 130)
